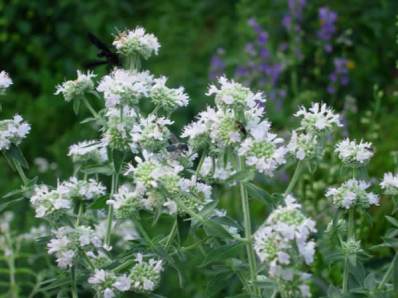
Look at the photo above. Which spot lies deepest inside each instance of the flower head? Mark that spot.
(303, 145)
(12, 131)
(75, 89)
(136, 42)
(390, 184)
(88, 151)
(169, 99)
(5, 81)
(125, 87)
(233, 95)
(353, 153)
(319, 118)
(145, 274)
(352, 193)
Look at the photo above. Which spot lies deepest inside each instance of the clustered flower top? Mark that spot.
(75, 89)
(12, 131)
(136, 42)
(352, 153)
(283, 244)
(352, 193)
(5, 81)
(390, 184)
(317, 119)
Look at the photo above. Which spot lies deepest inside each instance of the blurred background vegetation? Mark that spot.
(44, 42)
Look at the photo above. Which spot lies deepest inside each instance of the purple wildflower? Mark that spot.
(217, 65)
(339, 76)
(327, 29)
(292, 20)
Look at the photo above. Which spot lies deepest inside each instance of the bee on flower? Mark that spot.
(136, 42)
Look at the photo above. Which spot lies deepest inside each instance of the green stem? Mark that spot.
(79, 213)
(172, 233)
(11, 267)
(74, 288)
(21, 173)
(248, 234)
(387, 275)
(350, 234)
(201, 160)
(294, 179)
(90, 108)
(110, 211)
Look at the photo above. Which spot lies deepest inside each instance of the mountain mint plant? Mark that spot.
(144, 201)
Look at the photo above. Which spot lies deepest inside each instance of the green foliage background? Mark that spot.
(44, 42)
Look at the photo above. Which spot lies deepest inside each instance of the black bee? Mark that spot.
(111, 58)
(241, 128)
(176, 146)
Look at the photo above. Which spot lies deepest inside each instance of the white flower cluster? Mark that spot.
(283, 244)
(352, 193)
(145, 274)
(169, 99)
(5, 81)
(150, 134)
(125, 87)
(237, 123)
(128, 200)
(68, 241)
(160, 185)
(45, 201)
(234, 95)
(143, 277)
(118, 128)
(390, 184)
(215, 169)
(75, 89)
(136, 42)
(107, 284)
(262, 149)
(91, 150)
(303, 145)
(319, 118)
(12, 131)
(352, 153)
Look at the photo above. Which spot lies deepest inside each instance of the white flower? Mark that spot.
(318, 118)
(46, 201)
(122, 283)
(263, 150)
(75, 89)
(125, 87)
(12, 131)
(352, 193)
(5, 81)
(83, 189)
(234, 95)
(145, 275)
(88, 151)
(151, 133)
(136, 41)
(353, 153)
(390, 184)
(303, 145)
(168, 99)
(283, 244)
